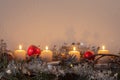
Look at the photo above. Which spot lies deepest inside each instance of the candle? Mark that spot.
(46, 55)
(103, 51)
(103, 60)
(20, 54)
(75, 53)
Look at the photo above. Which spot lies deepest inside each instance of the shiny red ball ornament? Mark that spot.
(89, 55)
(33, 50)
(37, 51)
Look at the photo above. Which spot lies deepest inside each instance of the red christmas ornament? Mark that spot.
(33, 50)
(37, 51)
(89, 55)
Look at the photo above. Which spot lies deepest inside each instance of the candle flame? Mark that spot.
(20, 47)
(103, 47)
(46, 48)
(74, 48)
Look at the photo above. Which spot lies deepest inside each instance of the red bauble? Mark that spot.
(33, 50)
(37, 51)
(89, 55)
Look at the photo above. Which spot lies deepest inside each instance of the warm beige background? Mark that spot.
(47, 22)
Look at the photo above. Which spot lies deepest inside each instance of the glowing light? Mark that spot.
(71, 65)
(20, 47)
(46, 47)
(74, 48)
(103, 47)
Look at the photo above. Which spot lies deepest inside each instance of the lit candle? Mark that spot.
(20, 54)
(75, 53)
(103, 51)
(105, 59)
(46, 55)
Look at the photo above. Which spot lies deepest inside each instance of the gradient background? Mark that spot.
(48, 22)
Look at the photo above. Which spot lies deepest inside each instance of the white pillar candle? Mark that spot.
(75, 53)
(46, 55)
(103, 51)
(20, 54)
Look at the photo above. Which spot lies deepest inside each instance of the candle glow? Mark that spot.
(74, 48)
(103, 47)
(105, 59)
(75, 53)
(20, 54)
(46, 54)
(20, 47)
(103, 50)
(46, 47)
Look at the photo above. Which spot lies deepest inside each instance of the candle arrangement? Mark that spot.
(41, 65)
(48, 55)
